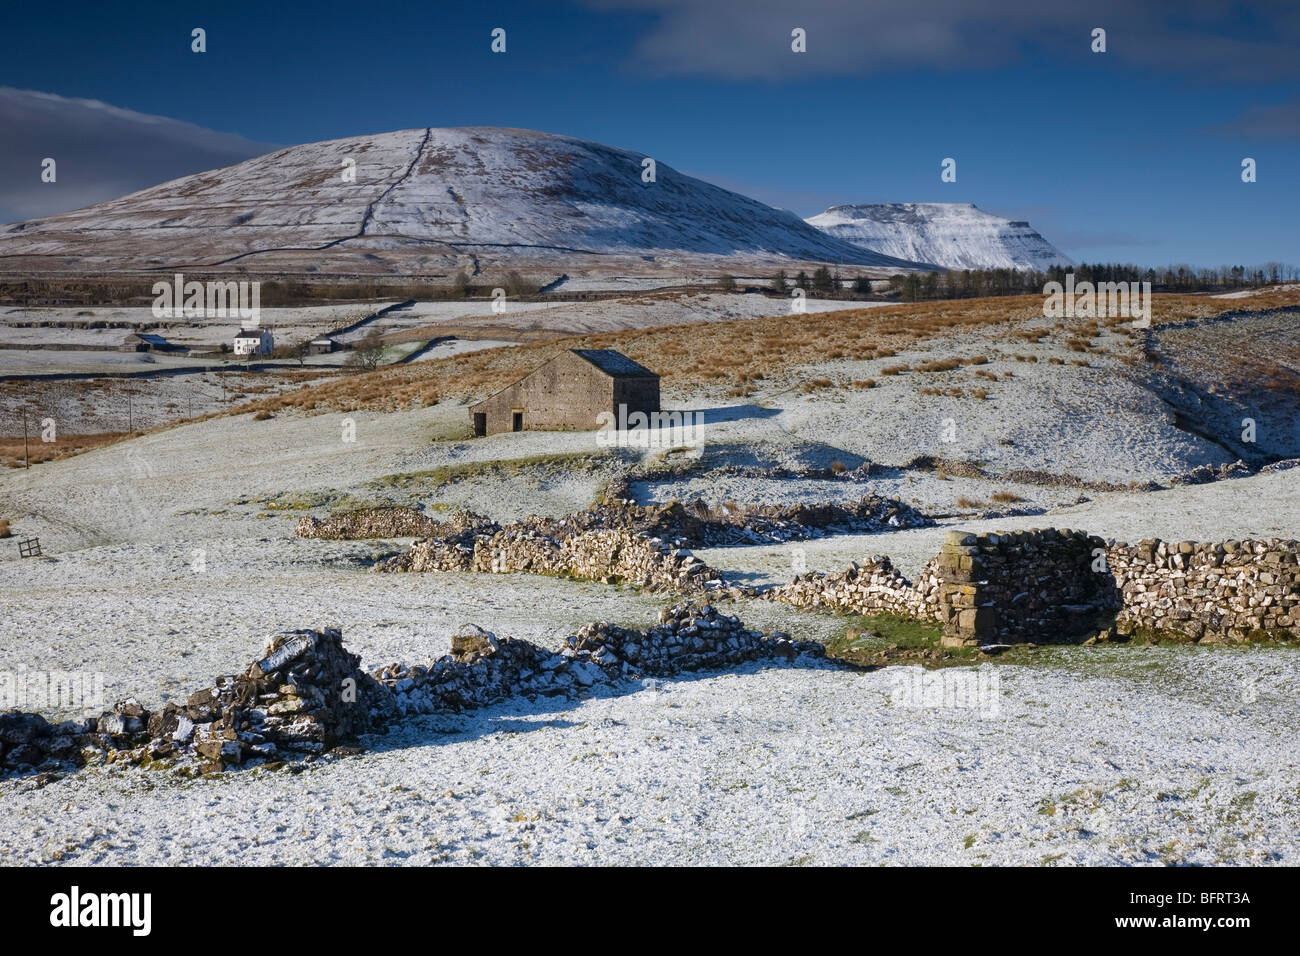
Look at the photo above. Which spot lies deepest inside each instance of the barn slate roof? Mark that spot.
(614, 363)
(153, 338)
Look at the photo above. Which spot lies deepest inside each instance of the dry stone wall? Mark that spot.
(651, 563)
(1040, 585)
(453, 553)
(1054, 585)
(1227, 592)
(643, 545)
(1023, 586)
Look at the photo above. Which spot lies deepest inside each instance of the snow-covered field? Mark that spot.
(80, 407)
(45, 361)
(1163, 764)
(170, 560)
(294, 325)
(460, 347)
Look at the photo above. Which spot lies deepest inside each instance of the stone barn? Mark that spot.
(569, 392)
(147, 342)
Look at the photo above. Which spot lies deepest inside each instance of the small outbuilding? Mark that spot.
(322, 346)
(569, 392)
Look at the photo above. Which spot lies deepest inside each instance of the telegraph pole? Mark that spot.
(27, 458)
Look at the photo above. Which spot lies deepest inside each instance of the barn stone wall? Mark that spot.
(567, 392)
(638, 394)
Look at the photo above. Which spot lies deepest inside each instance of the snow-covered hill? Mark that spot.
(952, 235)
(425, 199)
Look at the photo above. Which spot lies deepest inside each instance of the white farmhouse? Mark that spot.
(254, 342)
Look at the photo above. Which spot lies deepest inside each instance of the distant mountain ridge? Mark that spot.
(951, 235)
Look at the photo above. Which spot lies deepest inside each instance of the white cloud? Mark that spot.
(1277, 121)
(101, 151)
(750, 39)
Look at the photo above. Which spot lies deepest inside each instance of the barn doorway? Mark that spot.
(480, 424)
(517, 421)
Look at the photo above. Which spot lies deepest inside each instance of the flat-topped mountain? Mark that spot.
(952, 235)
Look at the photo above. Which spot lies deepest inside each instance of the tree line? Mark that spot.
(825, 282)
(975, 283)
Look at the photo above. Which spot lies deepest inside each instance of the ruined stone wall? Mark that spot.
(696, 522)
(307, 695)
(874, 587)
(369, 523)
(433, 554)
(483, 668)
(604, 555)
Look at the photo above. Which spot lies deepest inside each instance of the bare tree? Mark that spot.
(293, 350)
(368, 354)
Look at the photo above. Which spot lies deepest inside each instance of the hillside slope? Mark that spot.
(425, 199)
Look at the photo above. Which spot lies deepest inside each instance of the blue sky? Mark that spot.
(1131, 155)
